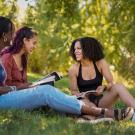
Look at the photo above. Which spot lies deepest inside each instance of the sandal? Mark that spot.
(123, 114)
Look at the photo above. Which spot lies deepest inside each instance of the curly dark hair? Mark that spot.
(91, 48)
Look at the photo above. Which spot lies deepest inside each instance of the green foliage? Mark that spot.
(37, 62)
(110, 21)
(122, 30)
(33, 77)
(9, 9)
(59, 22)
(54, 28)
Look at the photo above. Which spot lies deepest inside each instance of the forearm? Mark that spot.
(109, 85)
(23, 86)
(19, 85)
(6, 89)
(75, 92)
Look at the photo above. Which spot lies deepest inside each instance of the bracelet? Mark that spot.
(13, 88)
(105, 88)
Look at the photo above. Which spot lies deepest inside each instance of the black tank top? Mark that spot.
(85, 85)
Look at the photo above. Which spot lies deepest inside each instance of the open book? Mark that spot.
(48, 79)
(86, 94)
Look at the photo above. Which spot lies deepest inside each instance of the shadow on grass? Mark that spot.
(45, 121)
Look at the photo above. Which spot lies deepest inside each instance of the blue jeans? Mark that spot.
(41, 96)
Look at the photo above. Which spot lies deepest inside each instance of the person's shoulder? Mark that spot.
(101, 62)
(6, 57)
(74, 68)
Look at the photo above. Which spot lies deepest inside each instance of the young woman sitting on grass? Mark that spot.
(88, 72)
(33, 97)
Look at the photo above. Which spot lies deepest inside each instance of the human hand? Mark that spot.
(33, 85)
(79, 94)
(100, 89)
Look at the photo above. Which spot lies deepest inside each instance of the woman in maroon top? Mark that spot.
(15, 58)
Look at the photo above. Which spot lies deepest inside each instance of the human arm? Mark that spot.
(7, 64)
(21, 85)
(105, 71)
(73, 81)
(14, 77)
(6, 89)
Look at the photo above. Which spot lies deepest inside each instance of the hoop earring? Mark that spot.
(5, 39)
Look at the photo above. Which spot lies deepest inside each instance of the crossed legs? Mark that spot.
(108, 100)
(117, 91)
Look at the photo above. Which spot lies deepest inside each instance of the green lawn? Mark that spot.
(48, 122)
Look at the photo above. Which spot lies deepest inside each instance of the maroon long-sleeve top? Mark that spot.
(14, 76)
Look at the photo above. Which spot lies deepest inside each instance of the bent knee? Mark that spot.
(44, 89)
(48, 88)
(118, 86)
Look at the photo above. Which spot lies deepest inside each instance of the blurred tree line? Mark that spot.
(9, 9)
(58, 22)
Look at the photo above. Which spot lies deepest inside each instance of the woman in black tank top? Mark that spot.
(87, 74)
(85, 85)
(88, 52)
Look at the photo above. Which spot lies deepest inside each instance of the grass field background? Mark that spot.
(48, 122)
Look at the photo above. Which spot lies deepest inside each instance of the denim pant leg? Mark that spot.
(23, 99)
(63, 102)
(41, 96)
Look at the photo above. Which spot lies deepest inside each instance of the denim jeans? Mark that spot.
(41, 96)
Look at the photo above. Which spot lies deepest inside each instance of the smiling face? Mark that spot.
(78, 51)
(30, 44)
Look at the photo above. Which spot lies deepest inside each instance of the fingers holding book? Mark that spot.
(97, 92)
(100, 89)
(86, 94)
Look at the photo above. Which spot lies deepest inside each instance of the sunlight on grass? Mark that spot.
(33, 77)
(45, 121)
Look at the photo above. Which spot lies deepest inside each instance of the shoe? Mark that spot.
(123, 114)
(133, 118)
(99, 120)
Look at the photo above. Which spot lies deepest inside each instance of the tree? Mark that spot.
(122, 19)
(9, 9)
(59, 22)
(55, 28)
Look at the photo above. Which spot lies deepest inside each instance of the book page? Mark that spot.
(44, 80)
(85, 94)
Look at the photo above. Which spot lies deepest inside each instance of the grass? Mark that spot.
(48, 122)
